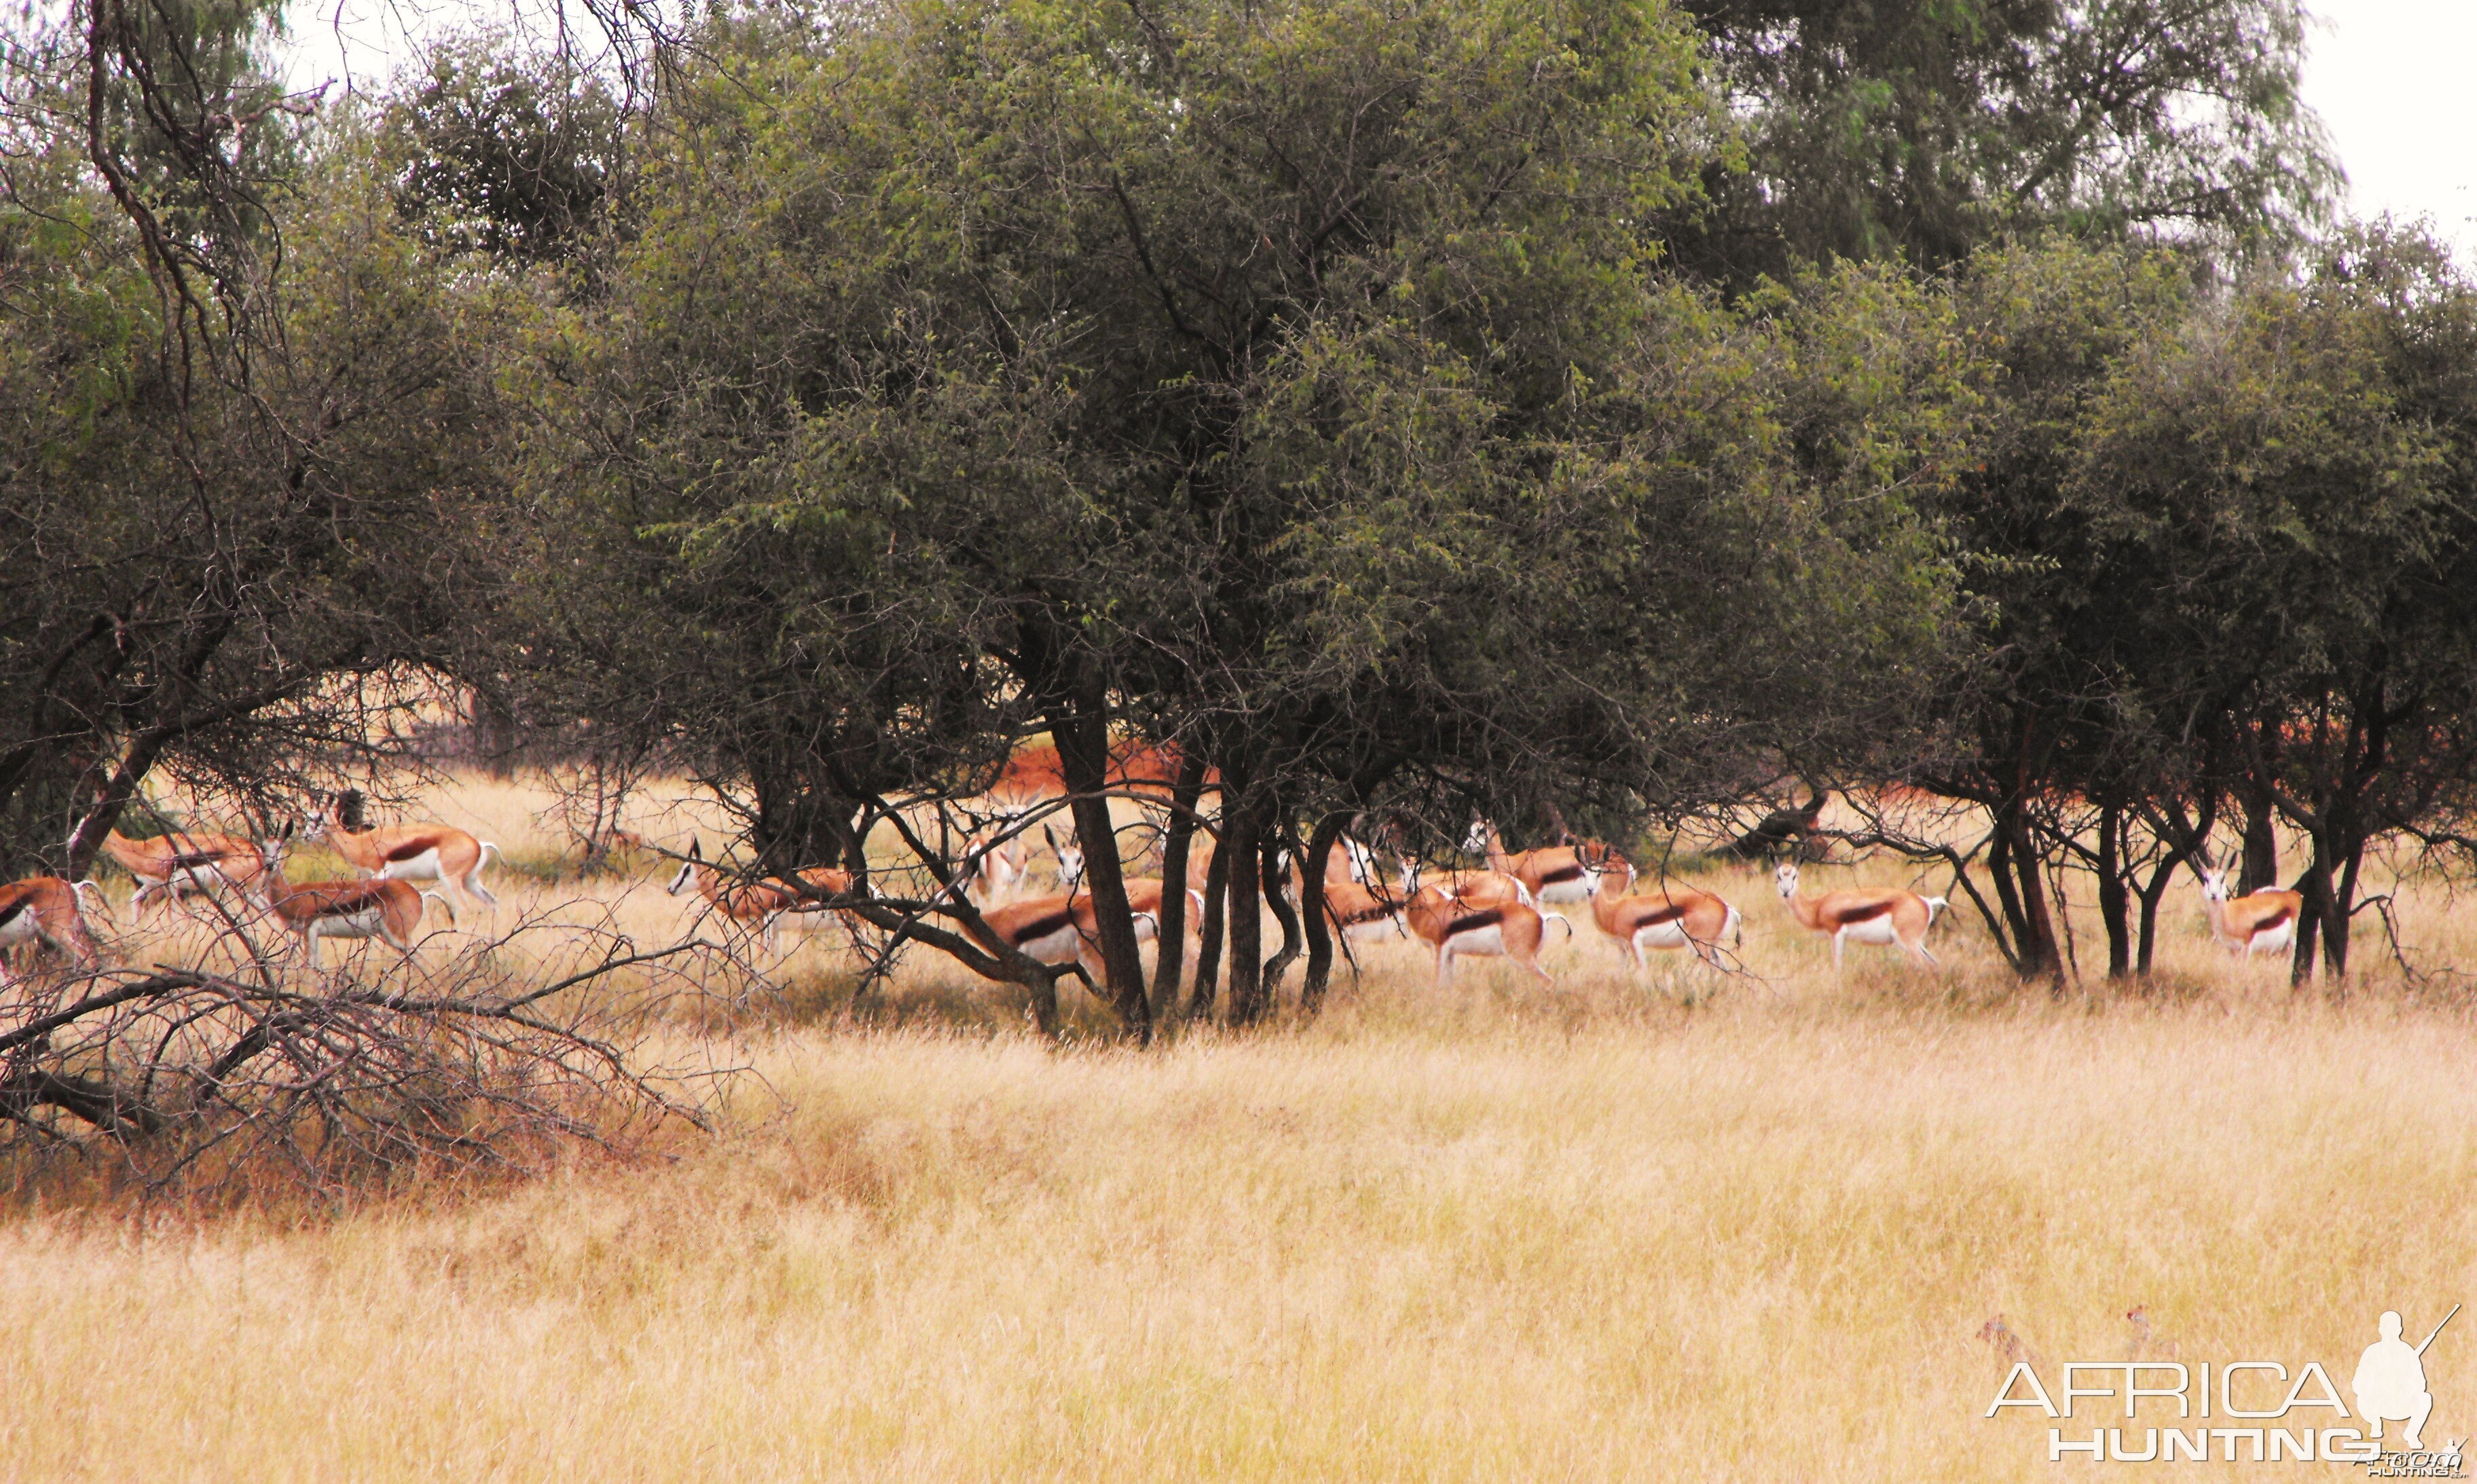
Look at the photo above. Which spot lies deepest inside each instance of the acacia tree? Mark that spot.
(1294, 383)
(248, 428)
(2293, 468)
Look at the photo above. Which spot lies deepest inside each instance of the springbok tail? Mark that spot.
(445, 905)
(1935, 904)
(487, 856)
(1559, 918)
(1735, 927)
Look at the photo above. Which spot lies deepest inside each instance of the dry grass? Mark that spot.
(1492, 1232)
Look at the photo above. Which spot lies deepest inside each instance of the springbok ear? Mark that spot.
(1049, 835)
(290, 826)
(696, 849)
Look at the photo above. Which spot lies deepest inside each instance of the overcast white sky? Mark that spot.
(2395, 81)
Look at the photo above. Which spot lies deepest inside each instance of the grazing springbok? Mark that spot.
(2259, 922)
(1062, 928)
(44, 909)
(386, 910)
(1453, 926)
(411, 853)
(1889, 918)
(1674, 916)
(1552, 876)
(169, 867)
(761, 905)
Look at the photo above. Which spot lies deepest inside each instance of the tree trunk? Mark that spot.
(2261, 869)
(1171, 936)
(1277, 895)
(1082, 740)
(1312, 908)
(2114, 899)
(1217, 916)
(2021, 891)
(1241, 842)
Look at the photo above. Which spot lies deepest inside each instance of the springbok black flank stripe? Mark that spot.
(1476, 921)
(411, 848)
(1041, 926)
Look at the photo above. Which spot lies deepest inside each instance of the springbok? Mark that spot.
(1887, 918)
(44, 909)
(1552, 876)
(384, 908)
(1360, 912)
(761, 905)
(1674, 916)
(411, 853)
(2259, 922)
(169, 867)
(1453, 926)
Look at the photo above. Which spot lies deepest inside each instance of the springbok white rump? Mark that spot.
(1887, 918)
(386, 909)
(411, 853)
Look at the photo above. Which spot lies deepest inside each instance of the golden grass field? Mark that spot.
(1496, 1233)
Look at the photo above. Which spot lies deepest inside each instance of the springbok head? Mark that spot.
(1070, 858)
(1784, 877)
(687, 867)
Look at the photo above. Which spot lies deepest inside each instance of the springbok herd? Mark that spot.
(1500, 911)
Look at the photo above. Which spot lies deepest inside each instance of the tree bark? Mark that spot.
(1240, 843)
(1217, 916)
(2114, 899)
(1279, 842)
(1312, 909)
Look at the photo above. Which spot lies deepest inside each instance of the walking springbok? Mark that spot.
(1453, 926)
(2259, 922)
(1551, 877)
(386, 910)
(761, 905)
(412, 853)
(169, 867)
(1887, 918)
(1674, 916)
(44, 909)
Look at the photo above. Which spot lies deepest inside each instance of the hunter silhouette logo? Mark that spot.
(2249, 1411)
(2390, 1381)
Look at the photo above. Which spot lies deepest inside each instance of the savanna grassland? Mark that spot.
(1496, 1232)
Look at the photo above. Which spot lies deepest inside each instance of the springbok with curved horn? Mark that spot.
(411, 853)
(1887, 918)
(383, 909)
(762, 905)
(2259, 922)
(44, 909)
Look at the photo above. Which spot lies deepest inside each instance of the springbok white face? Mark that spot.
(1363, 862)
(2215, 884)
(1070, 858)
(1784, 875)
(1481, 833)
(687, 867)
